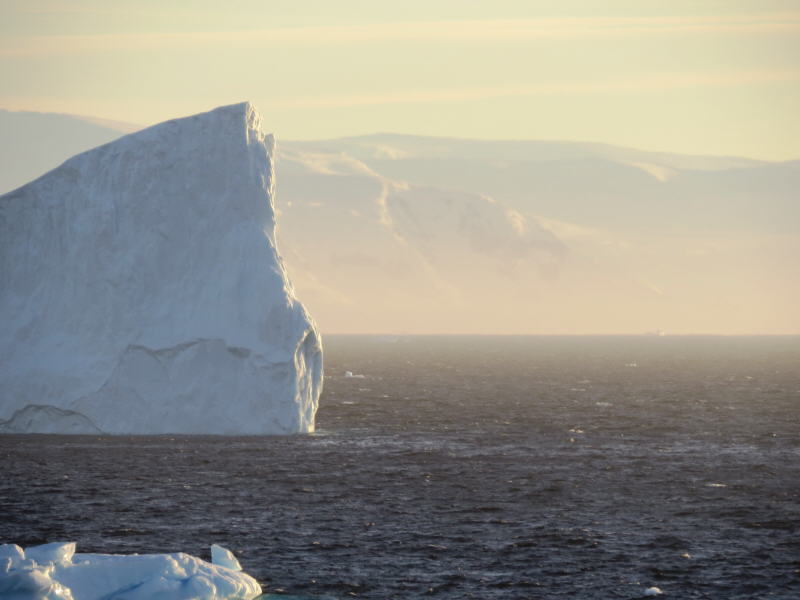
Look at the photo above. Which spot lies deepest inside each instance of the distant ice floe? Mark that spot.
(653, 591)
(55, 572)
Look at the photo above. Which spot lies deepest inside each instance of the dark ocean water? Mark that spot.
(468, 467)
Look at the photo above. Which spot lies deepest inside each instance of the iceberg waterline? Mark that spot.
(143, 291)
(55, 572)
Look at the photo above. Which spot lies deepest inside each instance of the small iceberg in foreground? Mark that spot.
(55, 572)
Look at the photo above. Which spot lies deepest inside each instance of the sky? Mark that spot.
(700, 77)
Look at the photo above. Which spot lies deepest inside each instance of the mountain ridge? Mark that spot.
(577, 243)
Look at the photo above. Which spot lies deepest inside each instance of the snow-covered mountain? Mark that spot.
(142, 291)
(372, 251)
(467, 235)
(594, 184)
(393, 233)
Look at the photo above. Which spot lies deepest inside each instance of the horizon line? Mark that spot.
(642, 335)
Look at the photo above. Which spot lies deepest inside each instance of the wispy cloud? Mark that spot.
(472, 31)
(649, 84)
(657, 83)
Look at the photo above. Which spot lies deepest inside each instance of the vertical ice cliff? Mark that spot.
(141, 290)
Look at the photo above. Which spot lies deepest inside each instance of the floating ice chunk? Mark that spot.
(12, 552)
(224, 558)
(68, 576)
(53, 552)
(22, 578)
(653, 591)
(32, 584)
(351, 375)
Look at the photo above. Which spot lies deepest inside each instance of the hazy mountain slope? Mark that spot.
(624, 240)
(33, 143)
(378, 255)
(594, 184)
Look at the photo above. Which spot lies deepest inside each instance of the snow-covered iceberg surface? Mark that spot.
(54, 572)
(141, 290)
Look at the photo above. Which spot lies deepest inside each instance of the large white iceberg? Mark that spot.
(141, 290)
(54, 572)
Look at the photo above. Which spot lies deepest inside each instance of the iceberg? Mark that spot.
(54, 572)
(142, 292)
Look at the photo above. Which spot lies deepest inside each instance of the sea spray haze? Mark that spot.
(142, 290)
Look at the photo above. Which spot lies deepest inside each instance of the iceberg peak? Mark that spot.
(143, 289)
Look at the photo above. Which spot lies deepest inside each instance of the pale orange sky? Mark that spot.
(702, 77)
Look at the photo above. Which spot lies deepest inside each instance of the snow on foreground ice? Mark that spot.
(54, 572)
(142, 291)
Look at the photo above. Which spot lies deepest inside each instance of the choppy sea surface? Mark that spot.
(467, 467)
